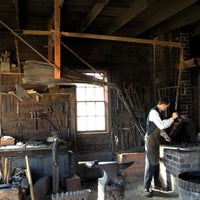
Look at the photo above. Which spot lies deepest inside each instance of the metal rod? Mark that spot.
(81, 59)
(181, 65)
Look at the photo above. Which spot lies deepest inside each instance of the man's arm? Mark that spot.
(164, 134)
(161, 124)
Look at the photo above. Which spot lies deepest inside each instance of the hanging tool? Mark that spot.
(68, 121)
(129, 109)
(55, 163)
(181, 65)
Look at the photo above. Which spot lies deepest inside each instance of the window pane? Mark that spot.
(100, 123)
(100, 108)
(91, 124)
(81, 109)
(80, 93)
(81, 123)
(99, 94)
(89, 93)
(91, 109)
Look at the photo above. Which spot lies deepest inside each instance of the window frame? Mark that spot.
(105, 91)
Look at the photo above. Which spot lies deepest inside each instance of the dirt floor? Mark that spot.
(133, 191)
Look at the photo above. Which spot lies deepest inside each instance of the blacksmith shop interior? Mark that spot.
(77, 81)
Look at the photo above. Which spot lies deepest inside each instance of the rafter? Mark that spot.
(127, 15)
(96, 9)
(168, 10)
(191, 15)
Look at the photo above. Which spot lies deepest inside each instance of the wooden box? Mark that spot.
(7, 142)
(5, 66)
(9, 194)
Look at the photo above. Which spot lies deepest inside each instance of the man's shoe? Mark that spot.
(148, 193)
(159, 187)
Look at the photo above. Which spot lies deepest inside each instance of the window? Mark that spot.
(91, 106)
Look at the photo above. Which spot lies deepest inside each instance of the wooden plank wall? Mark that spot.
(36, 117)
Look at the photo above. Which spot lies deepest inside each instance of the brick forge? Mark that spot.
(176, 160)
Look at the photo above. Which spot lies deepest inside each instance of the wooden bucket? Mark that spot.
(189, 185)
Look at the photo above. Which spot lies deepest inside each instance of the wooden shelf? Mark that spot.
(11, 73)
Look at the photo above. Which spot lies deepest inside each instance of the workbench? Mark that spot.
(22, 150)
(40, 157)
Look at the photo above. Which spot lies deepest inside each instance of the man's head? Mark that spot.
(163, 104)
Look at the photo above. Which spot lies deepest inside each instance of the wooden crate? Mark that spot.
(9, 194)
(5, 66)
(4, 142)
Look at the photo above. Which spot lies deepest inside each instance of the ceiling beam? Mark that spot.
(127, 14)
(96, 9)
(168, 9)
(191, 15)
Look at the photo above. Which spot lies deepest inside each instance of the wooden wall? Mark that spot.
(37, 116)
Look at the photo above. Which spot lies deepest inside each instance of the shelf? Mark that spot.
(11, 73)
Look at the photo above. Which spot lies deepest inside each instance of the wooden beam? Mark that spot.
(107, 37)
(122, 39)
(1, 104)
(168, 9)
(127, 15)
(37, 32)
(60, 5)
(16, 4)
(191, 15)
(57, 47)
(50, 41)
(96, 9)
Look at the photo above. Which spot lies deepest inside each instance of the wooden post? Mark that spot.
(57, 52)
(30, 178)
(50, 41)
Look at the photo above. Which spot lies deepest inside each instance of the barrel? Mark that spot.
(189, 185)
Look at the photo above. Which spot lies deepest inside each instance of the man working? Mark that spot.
(154, 129)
